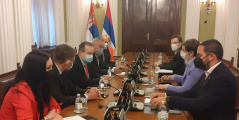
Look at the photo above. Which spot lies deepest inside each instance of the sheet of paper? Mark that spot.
(164, 71)
(121, 74)
(74, 118)
(146, 101)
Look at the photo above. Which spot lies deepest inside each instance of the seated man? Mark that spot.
(213, 98)
(62, 89)
(79, 74)
(177, 65)
(107, 55)
(191, 74)
(97, 66)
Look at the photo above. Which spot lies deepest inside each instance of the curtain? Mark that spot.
(15, 33)
(48, 22)
(77, 13)
(192, 19)
(227, 27)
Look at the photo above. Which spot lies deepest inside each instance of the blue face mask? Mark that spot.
(88, 59)
(106, 45)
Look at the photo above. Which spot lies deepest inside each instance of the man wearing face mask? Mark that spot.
(62, 89)
(191, 74)
(79, 74)
(177, 65)
(97, 65)
(213, 98)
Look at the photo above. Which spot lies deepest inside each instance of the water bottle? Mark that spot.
(160, 57)
(116, 63)
(109, 71)
(122, 58)
(78, 105)
(152, 78)
(162, 114)
(101, 84)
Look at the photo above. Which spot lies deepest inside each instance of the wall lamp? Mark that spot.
(208, 4)
(98, 3)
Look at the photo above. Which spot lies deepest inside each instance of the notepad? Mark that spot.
(74, 118)
(147, 101)
(164, 71)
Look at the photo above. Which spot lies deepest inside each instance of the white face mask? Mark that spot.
(183, 55)
(174, 47)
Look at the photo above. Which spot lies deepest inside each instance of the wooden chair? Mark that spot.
(235, 71)
(6, 81)
(76, 50)
(228, 63)
(116, 57)
(34, 47)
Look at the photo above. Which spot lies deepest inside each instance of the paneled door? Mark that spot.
(150, 24)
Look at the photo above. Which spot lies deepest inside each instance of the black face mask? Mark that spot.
(198, 62)
(49, 76)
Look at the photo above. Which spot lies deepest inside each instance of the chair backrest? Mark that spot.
(228, 63)
(34, 47)
(6, 81)
(235, 71)
(76, 50)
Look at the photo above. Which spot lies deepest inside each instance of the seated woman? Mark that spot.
(191, 75)
(29, 97)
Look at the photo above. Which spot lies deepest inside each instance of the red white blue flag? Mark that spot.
(108, 26)
(92, 29)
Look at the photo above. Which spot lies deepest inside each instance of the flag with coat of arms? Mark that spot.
(92, 29)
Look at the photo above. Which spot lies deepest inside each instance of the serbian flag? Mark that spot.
(91, 30)
(108, 26)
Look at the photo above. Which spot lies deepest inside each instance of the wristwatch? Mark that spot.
(46, 118)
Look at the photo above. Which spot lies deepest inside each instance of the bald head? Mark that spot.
(106, 38)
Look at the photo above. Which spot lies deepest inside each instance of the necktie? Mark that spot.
(86, 71)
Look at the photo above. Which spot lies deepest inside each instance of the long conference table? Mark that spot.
(98, 113)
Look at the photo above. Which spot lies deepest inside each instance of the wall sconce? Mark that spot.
(208, 3)
(98, 3)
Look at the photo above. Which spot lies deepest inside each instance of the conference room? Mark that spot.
(119, 59)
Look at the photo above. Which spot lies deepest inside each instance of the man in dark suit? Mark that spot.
(62, 89)
(97, 66)
(213, 98)
(79, 74)
(177, 65)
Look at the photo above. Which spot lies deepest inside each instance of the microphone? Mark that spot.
(101, 106)
(108, 84)
(117, 75)
(129, 66)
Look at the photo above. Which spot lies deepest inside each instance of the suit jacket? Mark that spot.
(78, 77)
(211, 99)
(108, 58)
(177, 65)
(97, 69)
(62, 89)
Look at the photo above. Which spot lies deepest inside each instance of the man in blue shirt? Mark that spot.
(191, 74)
